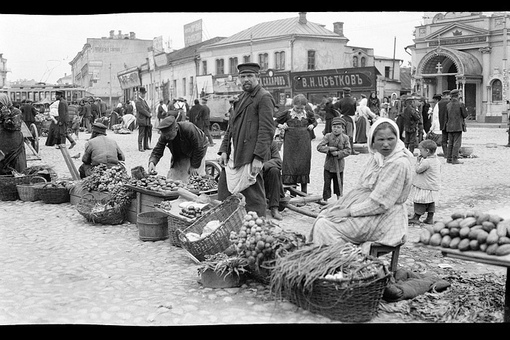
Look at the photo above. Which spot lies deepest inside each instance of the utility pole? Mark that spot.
(110, 85)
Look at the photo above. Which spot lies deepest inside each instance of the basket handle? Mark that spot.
(87, 197)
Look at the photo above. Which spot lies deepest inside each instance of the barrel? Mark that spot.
(152, 226)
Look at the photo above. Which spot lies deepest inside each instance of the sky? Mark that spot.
(40, 47)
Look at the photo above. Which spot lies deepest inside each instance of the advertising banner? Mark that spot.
(193, 33)
(130, 79)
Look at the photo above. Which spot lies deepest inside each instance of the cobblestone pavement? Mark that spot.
(59, 269)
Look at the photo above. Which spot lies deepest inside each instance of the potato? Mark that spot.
(464, 244)
(473, 233)
(455, 232)
(473, 245)
(435, 239)
(483, 247)
(495, 218)
(444, 231)
(470, 213)
(425, 236)
(454, 243)
(464, 232)
(482, 217)
(438, 226)
(501, 230)
(445, 241)
(467, 222)
(504, 240)
(457, 214)
(488, 226)
(493, 237)
(482, 236)
(503, 250)
(491, 249)
(455, 223)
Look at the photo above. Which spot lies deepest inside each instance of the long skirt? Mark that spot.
(297, 156)
(361, 130)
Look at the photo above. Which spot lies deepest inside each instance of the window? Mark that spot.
(497, 92)
(220, 66)
(184, 87)
(174, 92)
(263, 61)
(279, 60)
(191, 85)
(363, 61)
(354, 61)
(311, 60)
(386, 71)
(204, 67)
(246, 59)
(233, 65)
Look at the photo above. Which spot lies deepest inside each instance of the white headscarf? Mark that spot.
(378, 161)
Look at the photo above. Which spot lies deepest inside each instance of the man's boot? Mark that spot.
(276, 214)
(455, 160)
(429, 219)
(140, 148)
(415, 219)
(73, 143)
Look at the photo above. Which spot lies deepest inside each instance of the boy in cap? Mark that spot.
(347, 108)
(336, 146)
(99, 149)
(246, 143)
(188, 146)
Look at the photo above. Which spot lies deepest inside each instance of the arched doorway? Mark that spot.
(447, 69)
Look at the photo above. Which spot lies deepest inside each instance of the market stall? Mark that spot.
(473, 236)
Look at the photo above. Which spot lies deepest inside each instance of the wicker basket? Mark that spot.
(176, 224)
(8, 186)
(231, 212)
(112, 213)
(27, 192)
(348, 301)
(53, 193)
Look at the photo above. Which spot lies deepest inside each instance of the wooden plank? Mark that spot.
(70, 165)
(302, 211)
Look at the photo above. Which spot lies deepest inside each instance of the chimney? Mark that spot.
(120, 34)
(302, 18)
(132, 35)
(112, 33)
(338, 28)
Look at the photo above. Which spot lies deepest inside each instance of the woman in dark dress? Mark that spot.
(298, 124)
(12, 145)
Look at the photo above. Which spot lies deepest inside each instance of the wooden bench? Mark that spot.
(377, 250)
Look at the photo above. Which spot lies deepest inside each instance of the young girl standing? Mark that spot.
(336, 146)
(426, 182)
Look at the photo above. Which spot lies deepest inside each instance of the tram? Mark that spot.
(42, 93)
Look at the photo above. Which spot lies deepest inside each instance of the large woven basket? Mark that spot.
(175, 225)
(351, 301)
(231, 212)
(8, 186)
(111, 214)
(27, 192)
(53, 193)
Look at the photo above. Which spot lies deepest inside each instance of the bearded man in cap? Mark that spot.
(143, 120)
(455, 125)
(99, 149)
(188, 146)
(247, 142)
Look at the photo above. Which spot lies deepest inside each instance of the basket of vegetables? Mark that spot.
(210, 234)
(336, 281)
(261, 242)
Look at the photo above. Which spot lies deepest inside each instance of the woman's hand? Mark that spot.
(152, 167)
(311, 127)
(283, 126)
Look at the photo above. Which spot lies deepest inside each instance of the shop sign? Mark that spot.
(457, 41)
(355, 78)
(129, 80)
(273, 79)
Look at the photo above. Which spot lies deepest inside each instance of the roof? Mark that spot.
(191, 51)
(281, 27)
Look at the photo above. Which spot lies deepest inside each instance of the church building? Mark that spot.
(466, 51)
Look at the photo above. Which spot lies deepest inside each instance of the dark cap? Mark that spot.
(346, 89)
(59, 92)
(454, 92)
(142, 90)
(436, 96)
(99, 128)
(445, 92)
(167, 122)
(248, 68)
(338, 121)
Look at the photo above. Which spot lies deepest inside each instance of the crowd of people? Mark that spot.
(249, 155)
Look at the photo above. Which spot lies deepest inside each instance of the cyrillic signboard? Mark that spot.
(357, 78)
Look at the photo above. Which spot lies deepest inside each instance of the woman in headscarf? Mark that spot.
(375, 210)
(374, 104)
(363, 117)
(12, 147)
(298, 124)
